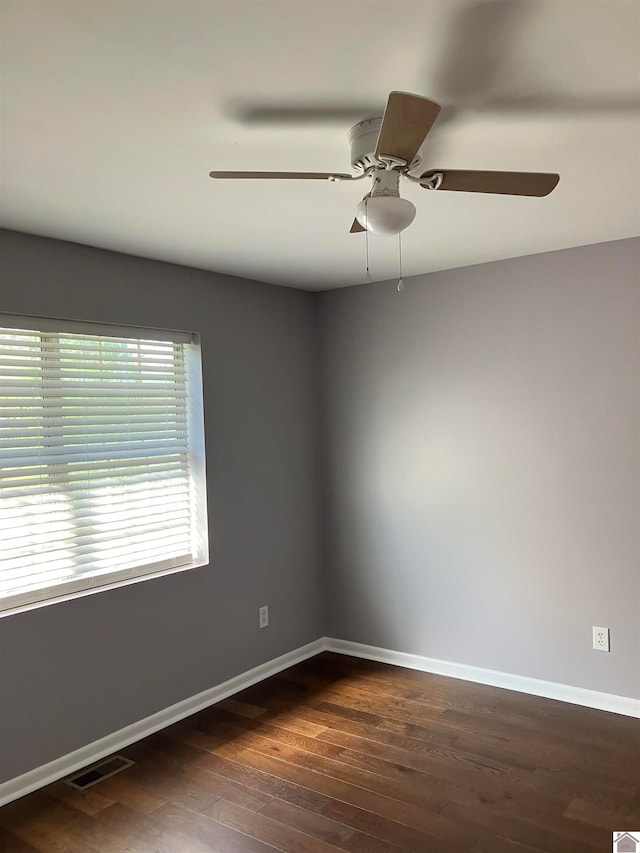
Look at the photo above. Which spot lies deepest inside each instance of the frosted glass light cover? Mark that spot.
(386, 215)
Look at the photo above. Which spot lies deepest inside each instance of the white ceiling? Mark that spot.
(114, 111)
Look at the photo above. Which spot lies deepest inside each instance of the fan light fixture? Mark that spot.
(382, 211)
(386, 215)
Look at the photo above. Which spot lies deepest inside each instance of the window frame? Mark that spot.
(198, 515)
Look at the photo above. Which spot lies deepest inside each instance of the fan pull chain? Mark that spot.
(400, 286)
(367, 275)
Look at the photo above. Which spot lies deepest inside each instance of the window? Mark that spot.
(101, 457)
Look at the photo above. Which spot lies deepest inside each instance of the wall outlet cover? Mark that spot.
(601, 639)
(264, 616)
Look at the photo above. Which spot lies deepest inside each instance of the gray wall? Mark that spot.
(482, 464)
(480, 482)
(73, 672)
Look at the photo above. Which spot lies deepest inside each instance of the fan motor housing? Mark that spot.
(362, 141)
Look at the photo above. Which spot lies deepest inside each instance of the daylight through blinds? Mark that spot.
(97, 480)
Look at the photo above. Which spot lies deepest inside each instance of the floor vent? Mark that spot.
(97, 772)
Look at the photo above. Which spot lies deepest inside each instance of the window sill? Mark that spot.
(82, 593)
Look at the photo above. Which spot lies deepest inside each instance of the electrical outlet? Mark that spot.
(264, 616)
(601, 639)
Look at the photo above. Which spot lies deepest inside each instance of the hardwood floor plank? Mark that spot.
(394, 762)
(340, 835)
(46, 824)
(88, 802)
(242, 708)
(170, 786)
(416, 817)
(528, 778)
(491, 843)
(261, 827)
(10, 843)
(418, 790)
(440, 835)
(400, 735)
(124, 790)
(553, 834)
(210, 833)
(144, 833)
(585, 724)
(261, 781)
(312, 823)
(581, 809)
(564, 742)
(381, 775)
(527, 751)
(89, 835)
(299, 725)
(226, 789)
(344, 754)
(507, 729)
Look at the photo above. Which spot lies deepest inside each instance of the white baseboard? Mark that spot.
(92, 752)
(520, 683)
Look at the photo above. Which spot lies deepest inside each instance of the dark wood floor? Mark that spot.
(343, 754)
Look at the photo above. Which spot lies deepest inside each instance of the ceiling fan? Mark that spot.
(387, 149)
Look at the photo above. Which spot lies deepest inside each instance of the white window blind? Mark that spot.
(101, 457)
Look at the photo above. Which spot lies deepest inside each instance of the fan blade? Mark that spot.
(505, 183)
(356, 228)
(302, 176)
(406, 122)
(469, 67)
